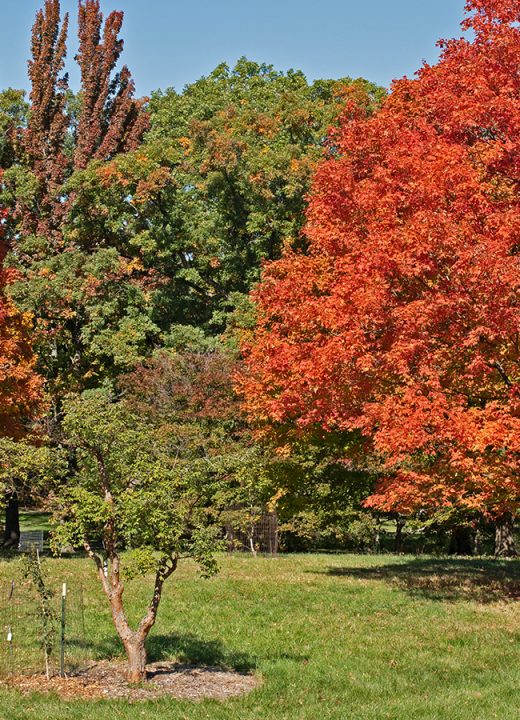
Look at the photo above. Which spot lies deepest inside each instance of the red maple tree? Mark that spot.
(20, 386)
(402, 322)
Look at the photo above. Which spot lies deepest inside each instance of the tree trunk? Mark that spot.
(461, 541)
(377, 535)
(504, 538)
(133, 641)
(136, 656)
(12, 522)
(398, 540)
(477, 542)
(252, 543)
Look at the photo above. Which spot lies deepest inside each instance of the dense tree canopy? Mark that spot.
(218, 186)
(401, 322)
(20, 385)
(86, 295)
(384, 361)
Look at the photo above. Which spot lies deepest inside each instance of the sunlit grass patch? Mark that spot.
(343, 636)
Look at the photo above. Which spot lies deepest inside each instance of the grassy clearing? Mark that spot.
(334, 636)
(34, 520)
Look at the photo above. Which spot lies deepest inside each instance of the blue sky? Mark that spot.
(174, 42)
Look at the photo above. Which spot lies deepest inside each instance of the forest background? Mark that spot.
(133, 232)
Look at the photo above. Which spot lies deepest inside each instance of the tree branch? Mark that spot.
(99, 565)
(163, 573)
(498, 366)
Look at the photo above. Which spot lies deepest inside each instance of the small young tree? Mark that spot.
(32, 570)
(130, 492)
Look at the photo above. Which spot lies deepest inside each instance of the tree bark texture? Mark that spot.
(504, 536)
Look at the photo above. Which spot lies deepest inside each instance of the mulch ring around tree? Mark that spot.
(107, 679)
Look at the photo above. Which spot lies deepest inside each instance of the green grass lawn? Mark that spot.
(333, 636)
(34, 520)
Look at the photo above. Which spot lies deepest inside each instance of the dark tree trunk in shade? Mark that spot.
(398, 541)
(461, 541)
(504, 536)
(12, 522)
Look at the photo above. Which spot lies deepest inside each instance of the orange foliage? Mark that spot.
(20, 386)
(402, 322)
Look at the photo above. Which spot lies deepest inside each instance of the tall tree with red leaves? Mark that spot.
(86, 295)
(402, 322)
(46, 134)
(109, 119)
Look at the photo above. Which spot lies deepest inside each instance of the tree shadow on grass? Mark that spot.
(483, 581)
(191, 649)
(187, 649)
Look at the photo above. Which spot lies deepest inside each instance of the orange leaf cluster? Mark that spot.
(20, 386)
(402, 322)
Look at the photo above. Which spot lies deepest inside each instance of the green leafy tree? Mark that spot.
(130, 491)
(217, 187)
(190, 396)
(27, 468)
(88, 296)
(321, 496)
(13, 116)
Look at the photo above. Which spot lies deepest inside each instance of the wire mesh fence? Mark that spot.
(26, 647)
(258, 533)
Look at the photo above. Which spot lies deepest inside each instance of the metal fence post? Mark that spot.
(62, 638)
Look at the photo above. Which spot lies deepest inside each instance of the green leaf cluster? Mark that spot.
(128, 490)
